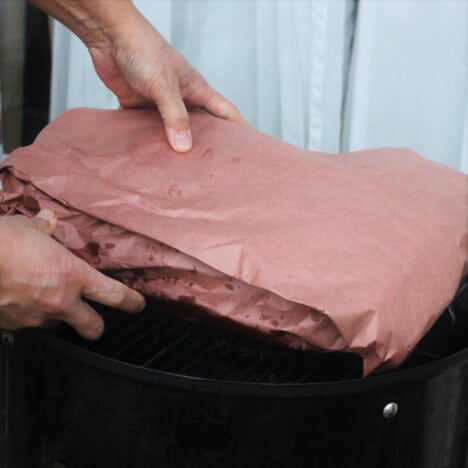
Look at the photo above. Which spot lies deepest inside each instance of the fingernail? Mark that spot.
(50, 218)
(182, 141)
(47, 214)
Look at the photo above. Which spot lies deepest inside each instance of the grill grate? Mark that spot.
(157, 339)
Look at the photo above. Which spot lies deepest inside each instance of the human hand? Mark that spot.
(41, 281)
(138, 65)
(142, 70)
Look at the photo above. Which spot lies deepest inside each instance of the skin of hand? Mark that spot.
(42, 282)
(139, 66)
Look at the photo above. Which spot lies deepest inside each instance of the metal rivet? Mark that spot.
(7, 338)
(390, 410)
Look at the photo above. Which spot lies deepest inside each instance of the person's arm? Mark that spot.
(41, 282)
(138, 65)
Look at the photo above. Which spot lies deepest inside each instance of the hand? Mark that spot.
(41, 281)
(142, 69)
(138, 65)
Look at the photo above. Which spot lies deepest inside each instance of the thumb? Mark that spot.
(45, 221)
(175, 118)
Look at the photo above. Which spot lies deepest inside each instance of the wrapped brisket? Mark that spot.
(357, 252)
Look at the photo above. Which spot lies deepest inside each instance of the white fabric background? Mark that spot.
(284, 63)
(409, 79)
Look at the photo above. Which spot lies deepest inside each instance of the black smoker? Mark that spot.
(159, 392)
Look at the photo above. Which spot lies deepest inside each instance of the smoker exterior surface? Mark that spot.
(65, 406)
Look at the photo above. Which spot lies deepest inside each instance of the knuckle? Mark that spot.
(54, 306)
(232, 107)
(176, 122)
(70, 274)
(199, 95)
(161, 85)
(191, 81)
(118, 294)
(56, 301)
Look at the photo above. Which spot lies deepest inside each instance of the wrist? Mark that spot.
(98, 23)
(103, 23)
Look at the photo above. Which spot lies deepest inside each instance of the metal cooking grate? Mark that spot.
(157, 339)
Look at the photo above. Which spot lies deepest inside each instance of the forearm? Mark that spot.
(95, 22)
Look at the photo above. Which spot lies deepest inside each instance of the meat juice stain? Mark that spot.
(229, 286)
(93, 247)
(174, 191)
(109, 245)
(236, 159)
(207, 154)
(150, 258)
(186, 299)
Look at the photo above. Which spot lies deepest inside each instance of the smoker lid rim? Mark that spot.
(237, 388)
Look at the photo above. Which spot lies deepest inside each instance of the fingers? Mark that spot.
(85, 320)
(219, 106)
(171, 101)
(180, 140)
(201, 94)
(99, 288)
(174, 115)
(112, 293)
(176, 119)
(45, 221)
(42, 281)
